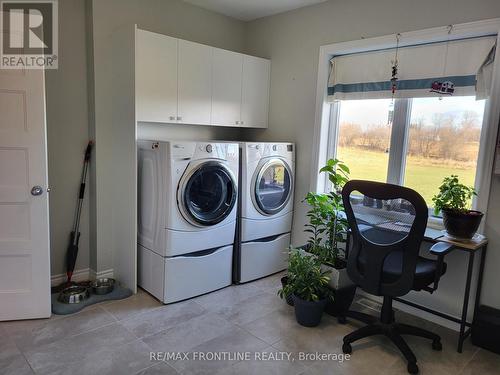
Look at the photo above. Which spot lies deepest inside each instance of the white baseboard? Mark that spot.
(78, 275)
(101, 274)
(81, 275)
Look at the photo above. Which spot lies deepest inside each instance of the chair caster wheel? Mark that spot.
(412, 368)
(436, 345)
(342, 320)
(346, 348)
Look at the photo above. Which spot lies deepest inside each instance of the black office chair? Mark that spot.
(387, 224)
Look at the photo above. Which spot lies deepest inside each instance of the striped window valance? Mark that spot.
(462, 66)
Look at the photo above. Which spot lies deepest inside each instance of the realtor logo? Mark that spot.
(29, 34)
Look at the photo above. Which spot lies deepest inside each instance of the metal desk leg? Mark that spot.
(462, 336)
(480, 278)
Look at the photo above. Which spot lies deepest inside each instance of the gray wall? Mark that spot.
(174, 18)
(71, 94)
(67, 133)
(292, 41)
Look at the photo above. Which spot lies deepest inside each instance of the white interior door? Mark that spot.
(195, 83)
(255, 92)
(226, 91)
(156, 77)
(24, 220)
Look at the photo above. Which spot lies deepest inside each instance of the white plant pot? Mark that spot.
(338, 278)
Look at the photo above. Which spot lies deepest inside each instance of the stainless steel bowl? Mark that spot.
(73, 294)
(103, 286)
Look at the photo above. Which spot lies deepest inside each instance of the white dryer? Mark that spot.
(187, 208)
(266, 209)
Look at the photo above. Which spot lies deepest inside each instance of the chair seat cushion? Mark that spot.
(424, 274)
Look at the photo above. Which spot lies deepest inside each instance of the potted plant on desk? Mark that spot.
(307, 284)
(454, 200)
(328, 235)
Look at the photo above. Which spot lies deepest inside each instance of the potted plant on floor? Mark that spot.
(454, 200)
(308, 285)
(328, 235)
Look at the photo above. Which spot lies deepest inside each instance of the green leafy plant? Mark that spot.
(453, 196)
(327, 223)
(305, 278)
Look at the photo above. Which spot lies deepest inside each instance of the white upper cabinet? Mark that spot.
(227, 70)
(255, 92)
(195, 83)
(190, 83)
(156, 77)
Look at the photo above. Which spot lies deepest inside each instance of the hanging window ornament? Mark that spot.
(394, 69)
(444, 87)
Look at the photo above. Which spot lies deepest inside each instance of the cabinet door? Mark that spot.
(156, 77)
(226, 93)
(255, 92)
(195, 83)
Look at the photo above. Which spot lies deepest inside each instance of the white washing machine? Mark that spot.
(187, 206)
(266, 209)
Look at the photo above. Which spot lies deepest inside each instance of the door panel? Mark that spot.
(14, 163)
(156, 77)
(255, 92)
(226, 93)
(24, 221)
(16, 273)
(13, 109)
(195, 83)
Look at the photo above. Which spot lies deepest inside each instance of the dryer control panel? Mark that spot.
(256, 151)
(203, 150)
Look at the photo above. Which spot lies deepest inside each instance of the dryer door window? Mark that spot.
(273, 187)
(209, 194)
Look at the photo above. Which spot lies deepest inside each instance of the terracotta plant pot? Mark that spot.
(462, 225)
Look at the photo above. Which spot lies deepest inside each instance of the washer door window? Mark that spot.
(209, 194)
(273, 187)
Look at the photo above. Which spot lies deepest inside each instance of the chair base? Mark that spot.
(392, 330)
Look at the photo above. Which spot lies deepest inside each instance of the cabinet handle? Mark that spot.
(242, 122)
(237, 122)
(179, 118)
(172, 117)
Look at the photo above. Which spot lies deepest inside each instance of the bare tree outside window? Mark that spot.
(443, 139)
(364, 138)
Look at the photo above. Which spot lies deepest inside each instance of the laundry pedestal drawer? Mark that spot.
(181, 277)
(264, 257)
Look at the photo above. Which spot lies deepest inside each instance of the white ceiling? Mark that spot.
(248, 10)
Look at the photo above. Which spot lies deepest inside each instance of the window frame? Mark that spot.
(398, 150)
(322, 146)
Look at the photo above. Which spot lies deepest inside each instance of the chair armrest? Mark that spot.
(441, 248)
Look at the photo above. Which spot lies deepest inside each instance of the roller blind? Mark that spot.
(445, 66)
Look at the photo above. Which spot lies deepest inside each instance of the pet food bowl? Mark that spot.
(103, 286)
(73, 294)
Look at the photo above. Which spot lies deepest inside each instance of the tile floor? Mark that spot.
(117, 338)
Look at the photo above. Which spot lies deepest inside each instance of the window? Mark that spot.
(443, 139)
(364, 137)
(413, 142)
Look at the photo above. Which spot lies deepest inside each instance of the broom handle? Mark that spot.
(81, 194)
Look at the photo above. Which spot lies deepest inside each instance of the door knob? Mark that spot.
(36, 190)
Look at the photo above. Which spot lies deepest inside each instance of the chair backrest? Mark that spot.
(383, 218)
